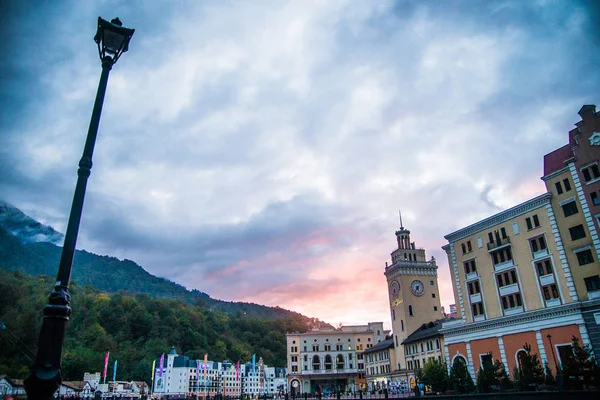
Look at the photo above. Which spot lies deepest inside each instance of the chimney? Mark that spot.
(587, 112)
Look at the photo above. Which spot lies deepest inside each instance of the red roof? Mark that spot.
(556, 160)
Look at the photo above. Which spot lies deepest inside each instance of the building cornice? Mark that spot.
(494, 220)
(524, 318)
(555, 173)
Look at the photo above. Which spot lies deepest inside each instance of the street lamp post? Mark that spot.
(559, 375)
(45, 374)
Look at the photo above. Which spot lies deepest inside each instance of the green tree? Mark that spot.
(460, 378)
(549, 378)
(435, 375)
(492, 376)
(529, 373)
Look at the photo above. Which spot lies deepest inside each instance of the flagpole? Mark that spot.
(153, 373)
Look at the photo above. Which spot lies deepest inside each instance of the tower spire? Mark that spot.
(400, 215)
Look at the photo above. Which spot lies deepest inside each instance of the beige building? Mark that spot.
(330, 360)
(379, 363)
(414, 297)
(530, 274)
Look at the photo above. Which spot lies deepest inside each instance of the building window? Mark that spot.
(550, 292)
(570, 208)
(502, 255)
(315, 347)
(434, 308)
(430, 283)
(515, 227)
(585, 257)
(558, 188)
(410, 310)
(567, 184)
(592, 283)
(565, 354)
(477, 309)
(433, 295)
(535, 224)
(473, 287)
(595, 199)
(577, 232)
(507, 278)
(294, 368)
(543, 267)
(511, 301)
(537, 244)
(327, 347)
(503, 232)
(393, 314)
(464, 248)
(469, 247)
(470, 266)
(590, 173)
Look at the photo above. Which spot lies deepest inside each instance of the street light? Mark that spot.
(45, 373)
(553, 355)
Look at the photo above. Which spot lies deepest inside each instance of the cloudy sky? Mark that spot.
(260, 150)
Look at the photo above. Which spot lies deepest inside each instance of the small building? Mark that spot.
(11, 386)
(424, 344)
(379, 363)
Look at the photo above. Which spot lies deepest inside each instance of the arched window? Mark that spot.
(328, 362)
(410, 310)
(339, 362)
(316, 363)
(393, 315)
(459, 359)
(519, 356)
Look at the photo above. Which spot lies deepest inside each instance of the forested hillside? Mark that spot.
(135, 329)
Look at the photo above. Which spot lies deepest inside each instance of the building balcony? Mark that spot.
(471, 276)
(475, 298)
(514, 310)
(595, 294)
(540, 253)
(504, 242)
(509, 289)
(331, 372)
(479, 318)
(553, 302)
(547, 279)
(504, 266)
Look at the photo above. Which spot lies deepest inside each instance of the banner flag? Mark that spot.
(205, 363)
(237, 371)
(115, 371)
(160, 365)
(153, 369)
(105, 364)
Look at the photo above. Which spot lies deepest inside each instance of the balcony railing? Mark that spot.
(479, 318)
(540, 253)
(471, 276)
(475, 298)
(553, 302)
(509, 289)
(498, 244)
(504, 266)
(547, 279)
(514, 310)
(330, 371)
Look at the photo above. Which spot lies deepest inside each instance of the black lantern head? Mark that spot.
(112, 39)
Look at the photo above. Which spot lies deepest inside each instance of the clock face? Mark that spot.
(295, 384)
(417, 288)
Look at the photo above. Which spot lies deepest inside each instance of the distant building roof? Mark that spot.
(555, 160)
(173, 351)
(75, 385)
(425, 331)
(386, 344)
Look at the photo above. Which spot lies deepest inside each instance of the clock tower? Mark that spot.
(413, 291)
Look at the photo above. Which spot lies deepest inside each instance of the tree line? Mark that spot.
(135, 329)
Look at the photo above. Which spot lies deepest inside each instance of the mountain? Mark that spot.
(29, 246)
(26, 228)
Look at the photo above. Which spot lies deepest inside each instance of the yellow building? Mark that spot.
(424, 344)
(530, 274)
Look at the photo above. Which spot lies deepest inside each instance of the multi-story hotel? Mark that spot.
(414, 298)
(182, 376)
(330, 360)
(530, 274)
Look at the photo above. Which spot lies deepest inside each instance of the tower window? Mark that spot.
(402, 324)
(410, 310)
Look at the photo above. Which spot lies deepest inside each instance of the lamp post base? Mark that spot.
(42, 383)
